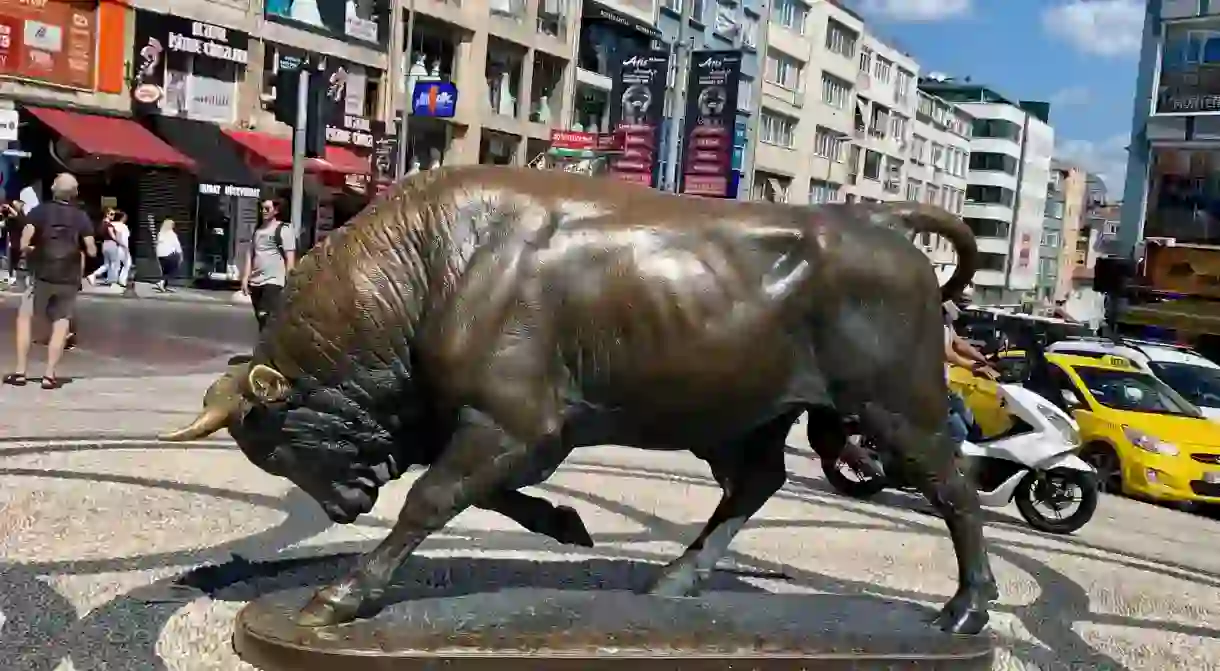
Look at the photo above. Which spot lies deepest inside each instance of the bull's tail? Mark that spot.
(918, 218)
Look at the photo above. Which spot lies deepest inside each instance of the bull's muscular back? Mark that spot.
(628, 275)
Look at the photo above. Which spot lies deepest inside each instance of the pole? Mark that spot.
(298, 153)
(677, 114)
(400, 170)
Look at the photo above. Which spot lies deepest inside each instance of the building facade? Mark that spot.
(1009, 168)
(937, 165)
(1062, 226)
(836, 110)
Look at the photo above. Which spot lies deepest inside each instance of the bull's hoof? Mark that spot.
(966, 613)
(570, 528)
(336, 604)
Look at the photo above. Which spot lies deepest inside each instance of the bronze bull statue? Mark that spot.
(486, 321)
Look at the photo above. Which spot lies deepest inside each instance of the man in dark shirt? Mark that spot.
(52, 240)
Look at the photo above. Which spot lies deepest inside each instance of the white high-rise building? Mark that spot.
(1009, 167)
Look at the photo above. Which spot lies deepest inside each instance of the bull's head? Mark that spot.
(318, 451)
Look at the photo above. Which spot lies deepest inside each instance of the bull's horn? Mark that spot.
(208, 422)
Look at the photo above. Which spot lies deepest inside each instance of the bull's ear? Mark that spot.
(267, 384)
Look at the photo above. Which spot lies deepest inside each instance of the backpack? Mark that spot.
(57, 244)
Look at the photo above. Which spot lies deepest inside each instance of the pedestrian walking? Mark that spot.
(112, 251)
(55, 234)
(272, 256)
(169, 254)
(13, 220)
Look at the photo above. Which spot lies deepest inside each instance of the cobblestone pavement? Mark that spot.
(117, 552)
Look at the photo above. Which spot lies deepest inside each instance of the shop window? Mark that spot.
(592, 112)
(435, 44)
(547, 83)
(601, 42)
(504, 62)
(498, 148)
(204, 89)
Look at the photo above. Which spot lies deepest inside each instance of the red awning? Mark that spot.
(121, 140)
(275, 153)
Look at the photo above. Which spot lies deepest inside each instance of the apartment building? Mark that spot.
(1062, 227)
(1010, 164)
(937, 163)
(835, 111)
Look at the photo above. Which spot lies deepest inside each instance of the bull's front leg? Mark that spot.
(482, 458)
(540, 516)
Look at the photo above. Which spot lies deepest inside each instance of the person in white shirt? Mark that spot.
(169, 254)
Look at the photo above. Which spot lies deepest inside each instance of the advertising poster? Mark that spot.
(158, 88)
(353, 20)
(711, 115)
(637, 104)
(50, 41)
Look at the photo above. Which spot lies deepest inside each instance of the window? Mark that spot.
(898, 127)
(672, 5)
(1050, 238)
(959, 201)
(835, 91)
(1046, 267)
(997, 128)
(745, 94)
(828, 144)
(1054, 209)
(882, 69)
(914, 187)
(776, 129)
(992, 162)
(938, 155)
(823, 192)
(918, 145)
(783, 70)
(932, 195)
(988, 228)
(749, 31)
(790, 14)
(893, 175)
(840, 39)
(962, 158)
(989, 261)
(866, 61)
(872, 164)
(880, 121)
(853, 160)
(902, 86)
(989, 195)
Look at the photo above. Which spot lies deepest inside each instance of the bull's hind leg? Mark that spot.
(931, 461)
(540, 516)
(482, 458)
(749, 470)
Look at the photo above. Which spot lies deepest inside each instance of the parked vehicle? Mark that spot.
(1032, 463)
(1196, 378)
(1143, 438)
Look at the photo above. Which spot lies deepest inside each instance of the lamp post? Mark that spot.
(400, 170)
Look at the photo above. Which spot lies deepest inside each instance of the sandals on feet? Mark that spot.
(50, 383)
(15, 379)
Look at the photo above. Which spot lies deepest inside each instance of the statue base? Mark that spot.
(544, 629)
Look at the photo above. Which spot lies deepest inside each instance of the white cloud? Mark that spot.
(1107, 28)
(1071, 96)
(917, 10)
(1107, 159)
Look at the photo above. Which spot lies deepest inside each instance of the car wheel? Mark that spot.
(1109, 468)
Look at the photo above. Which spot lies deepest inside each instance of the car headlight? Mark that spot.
(1150, 443)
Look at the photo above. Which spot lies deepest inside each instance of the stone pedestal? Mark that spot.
(542, 629)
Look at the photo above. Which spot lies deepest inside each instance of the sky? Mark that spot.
(1080, 55)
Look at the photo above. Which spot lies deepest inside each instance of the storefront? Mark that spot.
(186, 76)
(608, 37)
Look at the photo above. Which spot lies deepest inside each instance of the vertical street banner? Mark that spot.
(711, 115)
(637, 105)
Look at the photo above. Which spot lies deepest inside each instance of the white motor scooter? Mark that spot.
(1034, 463)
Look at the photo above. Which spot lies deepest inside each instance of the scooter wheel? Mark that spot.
(860, 487)
(1033, 494)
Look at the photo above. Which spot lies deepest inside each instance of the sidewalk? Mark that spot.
(145, 290)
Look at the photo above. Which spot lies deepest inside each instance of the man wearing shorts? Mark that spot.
(272, 256)
(54, 236)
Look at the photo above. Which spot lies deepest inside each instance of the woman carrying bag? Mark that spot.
(169, 254)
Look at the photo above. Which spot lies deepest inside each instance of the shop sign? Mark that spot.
(711, 114)
(342, 128)
(350, 19)
(229, 190)
(1189, 81)
(600, 12)
(352, 131)
(8, 125)
(385, 154)
(434, 99)
(157, 89)
(573, 140)
(49, 40)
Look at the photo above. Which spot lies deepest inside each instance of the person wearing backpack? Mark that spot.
(272, 256)
(55, 234)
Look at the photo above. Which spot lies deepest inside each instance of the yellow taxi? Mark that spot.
(1143, 438)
